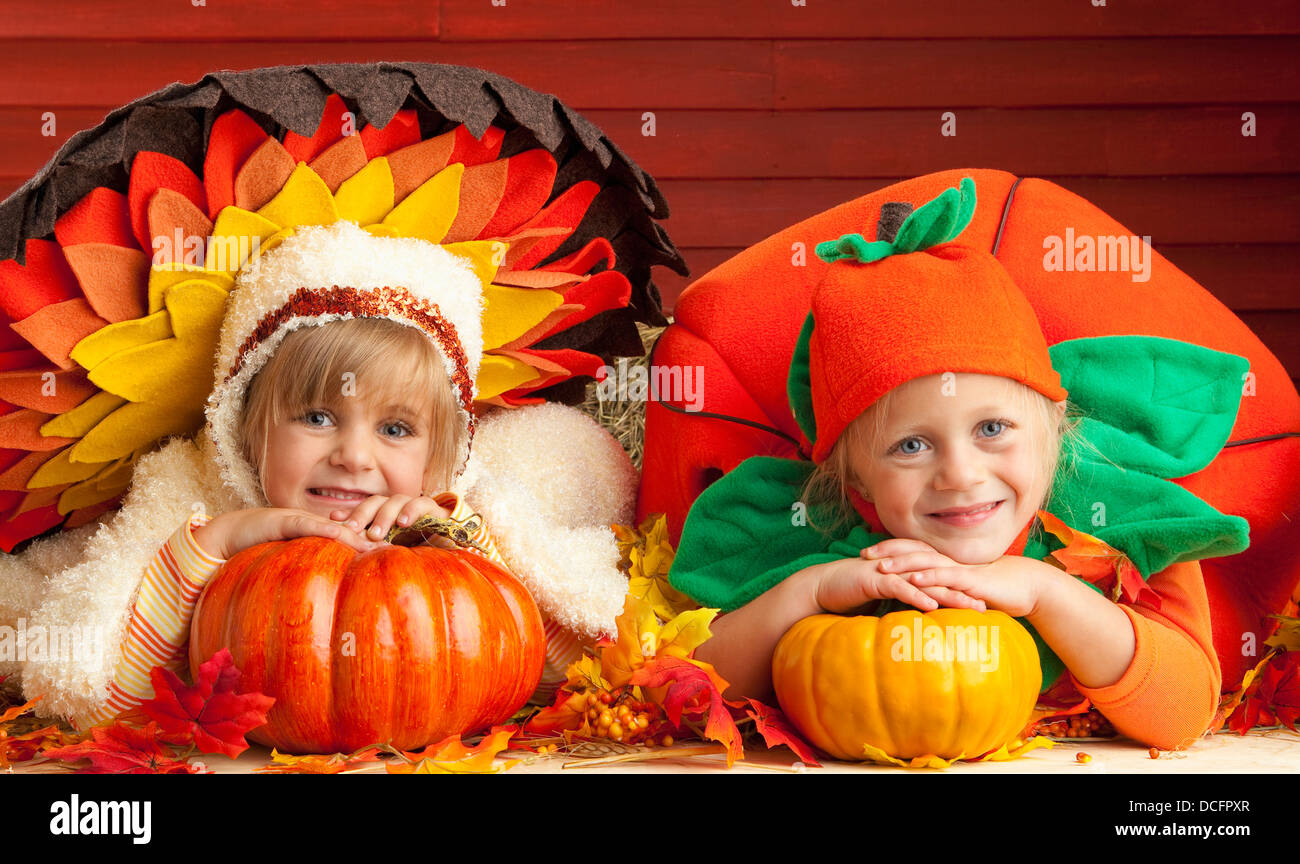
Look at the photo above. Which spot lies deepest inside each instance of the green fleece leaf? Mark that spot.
(938, 220)
(1159, 406)
(1154, 522)
(747, 533)
(799, 383)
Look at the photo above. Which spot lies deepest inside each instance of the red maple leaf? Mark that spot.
(692, 691)
(123, 749)
(1273, 697)
(211, 713)
(776, 729)
(1280, 689)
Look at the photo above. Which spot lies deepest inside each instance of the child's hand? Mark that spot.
(845, 586)
(235, 531)
(1007, 584)
(376, 515)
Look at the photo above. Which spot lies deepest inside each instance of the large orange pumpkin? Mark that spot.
(399, 644)
(948, 683)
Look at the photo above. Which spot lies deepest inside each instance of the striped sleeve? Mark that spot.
(562, 646)
(158, 631)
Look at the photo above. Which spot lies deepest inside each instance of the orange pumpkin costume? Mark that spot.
(1155, 409)
(762, 296)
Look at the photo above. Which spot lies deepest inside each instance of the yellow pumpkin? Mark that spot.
(950, 683)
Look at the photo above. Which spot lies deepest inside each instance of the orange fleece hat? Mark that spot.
(915, 305)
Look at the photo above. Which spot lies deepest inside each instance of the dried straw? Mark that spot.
(625, 419)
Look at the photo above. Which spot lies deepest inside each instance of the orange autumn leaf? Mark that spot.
(451, 756)
(1098, 563)
(334, 763)
(22, 748)
(17, 711)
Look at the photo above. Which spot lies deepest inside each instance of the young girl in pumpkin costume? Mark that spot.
(939, 420)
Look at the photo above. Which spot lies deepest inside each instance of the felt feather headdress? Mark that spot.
(124, 249)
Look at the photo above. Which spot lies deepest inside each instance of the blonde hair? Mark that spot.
(826, 492)
(389, 363)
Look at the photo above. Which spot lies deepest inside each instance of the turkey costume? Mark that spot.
(496, 220)
(883, 315)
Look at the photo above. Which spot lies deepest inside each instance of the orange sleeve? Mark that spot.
(1170, 692)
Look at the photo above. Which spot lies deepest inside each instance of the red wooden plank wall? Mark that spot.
(767, 112)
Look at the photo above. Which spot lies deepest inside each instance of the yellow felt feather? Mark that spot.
(305, 199)
(367, 196)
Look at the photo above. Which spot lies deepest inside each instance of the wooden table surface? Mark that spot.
(1272, 751)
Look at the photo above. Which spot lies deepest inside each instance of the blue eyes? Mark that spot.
(404, 429)
(901, 447)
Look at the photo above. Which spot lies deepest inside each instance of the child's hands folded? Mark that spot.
(846, 586)
(1006, 584)
(376, 515)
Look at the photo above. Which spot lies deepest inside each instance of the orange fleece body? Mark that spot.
(1170, 692)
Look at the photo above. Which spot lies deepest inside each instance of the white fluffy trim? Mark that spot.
(94, 596)
(549, 482)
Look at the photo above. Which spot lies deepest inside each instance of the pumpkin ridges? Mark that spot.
(793, 700)
(841, 697)
(248, 655)
(456, 685)
(418, 689)
(443, 640)
(970, 689)
(527, 623)
(316, 644)
(500, 687)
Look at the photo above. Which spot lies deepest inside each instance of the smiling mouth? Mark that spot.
(971, 512)
(338, 494)
(968, 518)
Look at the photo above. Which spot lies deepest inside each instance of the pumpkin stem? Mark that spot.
(458, 531)
(892, 216)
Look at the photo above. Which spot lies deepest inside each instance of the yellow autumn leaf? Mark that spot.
(637, 640)
(586, 672)
(1287, 636)
(450, 756)
(1229, 703)
(685, 632)
(648, 558)
(1010, 750)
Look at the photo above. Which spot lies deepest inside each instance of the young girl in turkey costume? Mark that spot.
(312, 431)
(381, 355)
(938, 417)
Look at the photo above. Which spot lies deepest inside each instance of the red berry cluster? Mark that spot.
(1090, 724)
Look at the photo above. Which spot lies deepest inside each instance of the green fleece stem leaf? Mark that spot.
(937, 221)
